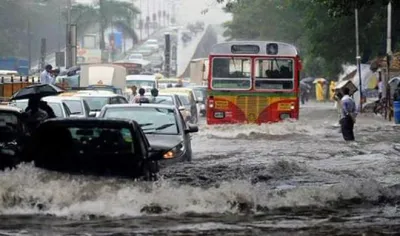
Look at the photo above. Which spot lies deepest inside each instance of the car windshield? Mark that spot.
(96, 103)
(151, 119)
(184, 99)
(167, 100)
(116, 140)
(74, 106)
(57, 108)
(141, 83)
(8, 118)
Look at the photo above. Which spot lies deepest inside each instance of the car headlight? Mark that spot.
(175, 152)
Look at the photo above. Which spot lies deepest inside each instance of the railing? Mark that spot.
(10, 85)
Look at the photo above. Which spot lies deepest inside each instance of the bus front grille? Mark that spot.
(251, 106)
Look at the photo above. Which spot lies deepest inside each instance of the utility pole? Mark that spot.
(388, 59)
(68, 48)
(358, 59)
(29, 46)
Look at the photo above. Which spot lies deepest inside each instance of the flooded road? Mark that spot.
(294, 178)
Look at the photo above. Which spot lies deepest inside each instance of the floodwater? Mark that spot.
(293, 178)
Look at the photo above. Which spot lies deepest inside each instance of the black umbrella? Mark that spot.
(308, 80)
(304, 85)
(37, 90)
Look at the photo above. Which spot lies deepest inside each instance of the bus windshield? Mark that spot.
(231, 73)
(274, 73)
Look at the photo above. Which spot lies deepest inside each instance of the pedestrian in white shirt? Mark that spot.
(46, 76)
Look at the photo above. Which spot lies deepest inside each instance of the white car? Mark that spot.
(77, 105)
(97, 101)
(60, 109)
(135, 56)
(152, 43)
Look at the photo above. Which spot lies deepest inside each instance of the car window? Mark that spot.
(178, 101)
(8, 118)
(67, 110)
(114, 100)
(122, 100)
(184, 99)
(152, 120)
(74, 106)
(167, 100)
(21, 104)
(109, 140)
(56, 108)
(96, 103)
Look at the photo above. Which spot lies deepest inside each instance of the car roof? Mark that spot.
(43, 99)
(149, 105)
(105, 95)
(90, 121)
(141, 77)
(58, 98)
(10, 108)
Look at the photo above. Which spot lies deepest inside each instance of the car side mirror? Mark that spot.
(192, 129)
(92, 114)
(181, 108)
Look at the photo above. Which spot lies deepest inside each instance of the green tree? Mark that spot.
(322, 29)
(106, 13)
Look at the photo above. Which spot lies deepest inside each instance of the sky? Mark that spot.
(187, 10)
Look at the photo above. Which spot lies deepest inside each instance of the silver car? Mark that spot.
(59, 108)
(77, 105)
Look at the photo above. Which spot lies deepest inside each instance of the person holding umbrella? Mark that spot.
(36, 110)
(33, 115)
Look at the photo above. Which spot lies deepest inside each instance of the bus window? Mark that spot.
(231, 73)
(273, 73)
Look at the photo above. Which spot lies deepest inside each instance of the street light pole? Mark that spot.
(358, 59)
(388, 58)
(68, 48)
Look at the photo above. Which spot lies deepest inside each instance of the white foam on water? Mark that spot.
(76, 196)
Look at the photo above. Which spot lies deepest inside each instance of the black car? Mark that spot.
(163, 125)
(12, 130)
(94, 146)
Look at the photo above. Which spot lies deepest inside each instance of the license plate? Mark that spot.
(284, 106)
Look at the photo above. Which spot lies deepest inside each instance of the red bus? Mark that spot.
(253, 82)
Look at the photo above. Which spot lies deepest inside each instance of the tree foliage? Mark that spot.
(323, 30)
(25, 22)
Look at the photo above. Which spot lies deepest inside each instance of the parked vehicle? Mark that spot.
(94, 146)
(12, 130)
(163, 125)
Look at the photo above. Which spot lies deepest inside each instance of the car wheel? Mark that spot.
(150, 171)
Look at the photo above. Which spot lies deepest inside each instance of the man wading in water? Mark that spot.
(348, 115)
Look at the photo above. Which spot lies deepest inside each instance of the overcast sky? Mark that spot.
(187, 10)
